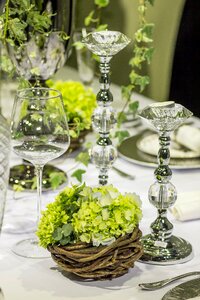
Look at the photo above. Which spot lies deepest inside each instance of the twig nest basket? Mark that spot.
(102, 262)
(93, 232)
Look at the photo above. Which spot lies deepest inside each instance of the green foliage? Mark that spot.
(79, 103)
(18, 16)
(83, 157)
(121, 135)
(78, 174)
(101, 3)
(142, 54)
(95, 215)
(53, 181)
(56, 179)
(93, 19)
(20, 21)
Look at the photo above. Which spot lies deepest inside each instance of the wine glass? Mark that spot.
(39, 133)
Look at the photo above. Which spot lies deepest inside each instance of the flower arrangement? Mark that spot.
(99, 220)
(79, 103)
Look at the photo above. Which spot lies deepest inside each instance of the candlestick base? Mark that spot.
(173, 251)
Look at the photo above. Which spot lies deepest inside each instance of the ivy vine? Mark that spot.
(142, 55)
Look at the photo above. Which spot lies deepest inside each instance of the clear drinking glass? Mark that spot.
(39, 133)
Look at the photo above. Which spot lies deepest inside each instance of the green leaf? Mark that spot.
(34, 184)
(88, 19)
(126, 91)
(56, 179)
(78, 174)
(6, 65)
(133, 76)
(151, 2)
(149, 54)
(102, 27)
(121, 118)
(121, 135)
(78, 45)
(83, 157)
(142, 82)
(35, 71)
(67, 229)
(16, 29)
(147, 32)
(18, 188)
(142, 9)
(102, 3)
(134, 106)
(64, 241)
(57, 234)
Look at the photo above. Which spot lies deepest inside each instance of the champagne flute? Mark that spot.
(39, 133)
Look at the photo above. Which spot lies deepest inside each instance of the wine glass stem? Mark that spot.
(38, 172)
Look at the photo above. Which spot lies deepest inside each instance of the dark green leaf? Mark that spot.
(134, 106)
(67, 229)
(57, 234)
(64, 241)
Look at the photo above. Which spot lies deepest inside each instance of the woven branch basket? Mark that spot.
(99, 263)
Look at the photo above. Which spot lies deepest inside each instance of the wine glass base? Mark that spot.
(175, 251)
(29, 248)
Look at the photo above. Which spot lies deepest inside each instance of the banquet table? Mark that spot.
(26, 278)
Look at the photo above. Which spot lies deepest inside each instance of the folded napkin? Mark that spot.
(189, 137)
(187, 206)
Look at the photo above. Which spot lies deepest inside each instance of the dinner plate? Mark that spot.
(187, 290)
(130, 152)
(150, 144)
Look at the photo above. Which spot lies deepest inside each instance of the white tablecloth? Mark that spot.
(33, 279)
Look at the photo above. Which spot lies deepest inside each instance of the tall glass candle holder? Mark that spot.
(160, 246)
(105, 44)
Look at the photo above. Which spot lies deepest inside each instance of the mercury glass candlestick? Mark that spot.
(160, 246)
(105, 44)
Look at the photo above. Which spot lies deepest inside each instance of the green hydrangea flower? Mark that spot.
(79, 102)
(98, 215)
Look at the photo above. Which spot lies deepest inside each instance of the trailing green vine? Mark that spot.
(94, 17)
(142, 55)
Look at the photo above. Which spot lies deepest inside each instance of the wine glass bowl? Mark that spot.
(39, 133)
